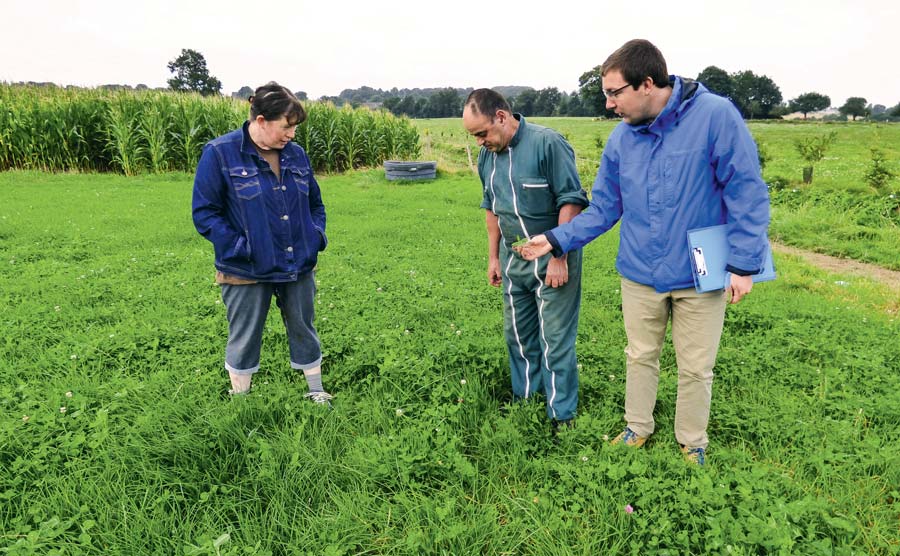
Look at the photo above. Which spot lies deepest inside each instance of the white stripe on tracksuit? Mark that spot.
(539, 290)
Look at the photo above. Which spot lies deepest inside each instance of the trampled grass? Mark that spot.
(115, 437)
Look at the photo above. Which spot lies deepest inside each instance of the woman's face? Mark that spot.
(275, 134)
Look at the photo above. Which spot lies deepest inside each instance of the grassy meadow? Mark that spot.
(116, 438)
(838, 213)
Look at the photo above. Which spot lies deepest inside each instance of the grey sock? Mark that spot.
(314, 379)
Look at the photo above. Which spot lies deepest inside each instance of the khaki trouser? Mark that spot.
(697, 320)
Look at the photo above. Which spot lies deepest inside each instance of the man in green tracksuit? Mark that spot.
(531, 185)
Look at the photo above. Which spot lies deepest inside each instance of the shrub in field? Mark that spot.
(762, 152)
(53, 129)
(812, 150)
(879, 174)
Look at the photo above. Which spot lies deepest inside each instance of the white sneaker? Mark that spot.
(323, 398)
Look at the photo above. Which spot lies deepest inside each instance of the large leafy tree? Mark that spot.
(717, 80)
(525, 102)
(446, 103)
(191, 74)
(809, 102)
(590, 87)
(854, 107)
(547, 101)
(573, 106)
(755, 95)
(243, 93)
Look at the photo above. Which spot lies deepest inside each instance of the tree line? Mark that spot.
(755, 96)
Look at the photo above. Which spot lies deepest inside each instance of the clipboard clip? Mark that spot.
(699, 261)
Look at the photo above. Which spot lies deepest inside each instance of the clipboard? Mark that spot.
(709, 251)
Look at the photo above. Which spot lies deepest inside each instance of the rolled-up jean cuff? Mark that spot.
(306, 366)
(231, 369)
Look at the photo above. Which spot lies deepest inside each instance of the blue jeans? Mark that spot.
(248, 306)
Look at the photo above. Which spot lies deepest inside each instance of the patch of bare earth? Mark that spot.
(881, 275)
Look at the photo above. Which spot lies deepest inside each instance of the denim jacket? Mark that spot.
(260, 229)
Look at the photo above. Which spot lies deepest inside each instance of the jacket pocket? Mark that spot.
(245, 181)
(301, 178)
(323, 243)
(682, 172)
(536, 197)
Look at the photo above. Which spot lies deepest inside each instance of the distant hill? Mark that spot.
(509, 91)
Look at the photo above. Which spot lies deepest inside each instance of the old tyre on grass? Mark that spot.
(398, 170)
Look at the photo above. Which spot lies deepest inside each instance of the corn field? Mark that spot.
(134, 132)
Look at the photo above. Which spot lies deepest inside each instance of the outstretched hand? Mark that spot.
(538, 246)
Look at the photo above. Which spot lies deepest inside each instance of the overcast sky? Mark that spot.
(840, 48)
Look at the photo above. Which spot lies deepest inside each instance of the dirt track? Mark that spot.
(890, 278)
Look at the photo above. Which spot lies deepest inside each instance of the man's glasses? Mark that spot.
(615, 93)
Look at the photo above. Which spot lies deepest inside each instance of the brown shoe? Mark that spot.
(630, 439)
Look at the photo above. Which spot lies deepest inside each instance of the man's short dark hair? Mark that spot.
(272, 101)
(487, 102)
(637, 60)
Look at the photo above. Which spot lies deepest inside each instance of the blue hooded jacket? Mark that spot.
(695, 165)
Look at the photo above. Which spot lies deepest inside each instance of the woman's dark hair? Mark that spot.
(272, 101)
(637, 60)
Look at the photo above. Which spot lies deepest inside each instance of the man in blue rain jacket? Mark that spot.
(682, 158)
(531, 185)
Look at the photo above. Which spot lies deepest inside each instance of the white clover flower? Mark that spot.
(458, 332)
(584, 458)
(73, 356)
(605, 437)
(378, 289)
(462, 381)
(69, 394)
(56, 308)
(25, 418)
(398, 412)
(62, 409)
(612, 377)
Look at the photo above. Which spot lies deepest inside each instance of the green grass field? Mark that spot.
(838, 214)
(115, 436)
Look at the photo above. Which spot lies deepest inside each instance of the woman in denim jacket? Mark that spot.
(256, 200)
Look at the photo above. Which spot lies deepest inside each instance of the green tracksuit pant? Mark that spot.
(540, 324)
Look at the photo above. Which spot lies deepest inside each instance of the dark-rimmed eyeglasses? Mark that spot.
(616, 92)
